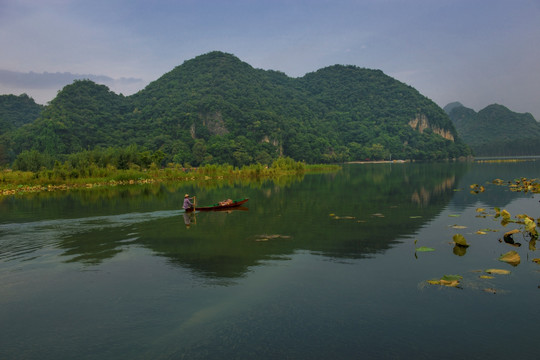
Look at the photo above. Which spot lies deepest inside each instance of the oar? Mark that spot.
(194, 203)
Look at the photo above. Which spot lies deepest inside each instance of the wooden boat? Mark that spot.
(217, 207)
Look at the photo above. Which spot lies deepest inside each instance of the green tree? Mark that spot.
(32, 160)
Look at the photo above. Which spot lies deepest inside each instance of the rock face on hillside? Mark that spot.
(496, 130)
(421, 123)
(217, 109)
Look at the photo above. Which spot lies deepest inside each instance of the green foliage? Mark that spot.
(32, 161)
(216, 109)
(286, 163)
(81, 170)
(16, 111)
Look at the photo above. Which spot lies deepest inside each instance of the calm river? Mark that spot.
(320, 267)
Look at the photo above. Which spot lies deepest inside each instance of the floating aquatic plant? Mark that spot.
(422, 248)
(530, 226)
(511, 257)
(460, 240)
(497, 271)
(447, 280)
(521, 185)
(487, 230)
(475, 188)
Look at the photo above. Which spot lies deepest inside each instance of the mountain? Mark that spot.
(83, 115)
(215, 108)
(451, 106)
(496, 130)
(15, 111)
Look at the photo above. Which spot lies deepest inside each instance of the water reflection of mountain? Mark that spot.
(495, 195)
(358, 212)
(365, 208)
(353, 214)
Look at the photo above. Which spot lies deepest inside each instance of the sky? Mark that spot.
(477, 52)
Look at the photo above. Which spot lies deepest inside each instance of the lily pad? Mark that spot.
(458, 227)
(486, 230)
(424, 249)
(479, 232)
(477, 188)
(447, 280)
(450, 280)
(530, 226)
(511, 257)
(454, 215)
(486, 277)
(498, 271)
(452, 277)
(460, 240)
(536, 260)
(510, 233)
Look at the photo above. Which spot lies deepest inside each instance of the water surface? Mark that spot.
(313, 268)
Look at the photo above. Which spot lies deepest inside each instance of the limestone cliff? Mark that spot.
(421, 123)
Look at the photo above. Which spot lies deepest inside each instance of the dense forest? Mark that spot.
(216, 109)
(496, 130)
(15, 111)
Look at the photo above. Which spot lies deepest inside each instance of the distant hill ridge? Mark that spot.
(215, 108)
(496, 130)
(15, 111)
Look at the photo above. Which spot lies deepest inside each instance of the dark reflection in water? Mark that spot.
(355, 213)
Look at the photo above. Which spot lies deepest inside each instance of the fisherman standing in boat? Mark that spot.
(187, 202)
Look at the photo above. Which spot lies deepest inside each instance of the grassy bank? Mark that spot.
(65, 178)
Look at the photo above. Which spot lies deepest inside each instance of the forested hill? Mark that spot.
(496, 130)
(15, 111)
(217, 109)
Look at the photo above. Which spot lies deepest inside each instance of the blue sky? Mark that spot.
(478, 52)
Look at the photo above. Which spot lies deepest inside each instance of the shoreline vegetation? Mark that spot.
(62, 177)
(66, 177)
